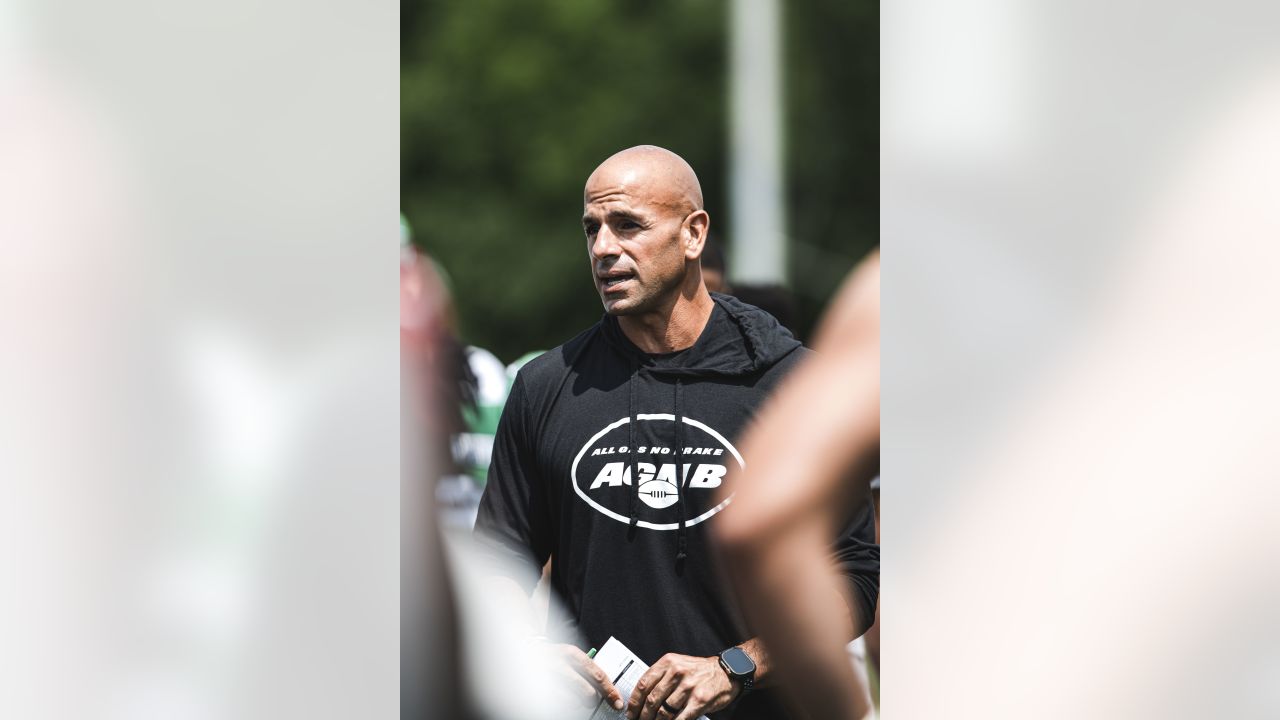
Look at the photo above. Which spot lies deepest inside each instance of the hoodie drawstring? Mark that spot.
(682, 535)
(631, 450)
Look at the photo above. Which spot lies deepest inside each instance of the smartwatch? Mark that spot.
(739, 665)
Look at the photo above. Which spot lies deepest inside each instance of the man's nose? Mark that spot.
(605, 245)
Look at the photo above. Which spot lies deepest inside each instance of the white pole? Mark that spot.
(758, 244)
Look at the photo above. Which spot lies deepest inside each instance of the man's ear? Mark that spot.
(696, 228)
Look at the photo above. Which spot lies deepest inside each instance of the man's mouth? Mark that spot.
(614, 280)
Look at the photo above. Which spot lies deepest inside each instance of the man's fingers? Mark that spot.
(589, 678)
(688, 713)
(700, 700)
(644, 686)
(589, 671)
(609, 692)
(601, 682)
(652, 706)
(679, 699)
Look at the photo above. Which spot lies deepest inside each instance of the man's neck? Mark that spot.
(674, 328)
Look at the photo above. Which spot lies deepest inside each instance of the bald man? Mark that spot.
(614, 452)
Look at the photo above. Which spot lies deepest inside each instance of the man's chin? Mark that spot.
(619, 306)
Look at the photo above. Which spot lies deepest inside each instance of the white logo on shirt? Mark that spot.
(606, 472)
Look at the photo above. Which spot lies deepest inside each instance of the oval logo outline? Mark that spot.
(573, 471)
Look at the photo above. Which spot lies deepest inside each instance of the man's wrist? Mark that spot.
(739, 667)
(736, 690)
(760, 658)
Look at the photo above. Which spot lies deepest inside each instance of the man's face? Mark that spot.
(633, 242)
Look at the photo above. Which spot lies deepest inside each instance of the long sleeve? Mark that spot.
(513, 518)
(858, 557)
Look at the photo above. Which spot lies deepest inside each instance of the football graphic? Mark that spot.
(679, 486)
(658, 494)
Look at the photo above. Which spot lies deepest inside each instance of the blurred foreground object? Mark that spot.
(430, 676)
(456, 636)
(199, 391)
(810, 459)
(1125, 510)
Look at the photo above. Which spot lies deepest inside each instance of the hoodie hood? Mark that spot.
(739, 339)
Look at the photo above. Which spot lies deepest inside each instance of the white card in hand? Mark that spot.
(623, 669)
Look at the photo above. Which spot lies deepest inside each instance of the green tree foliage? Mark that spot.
(507, 106)
(833, 144)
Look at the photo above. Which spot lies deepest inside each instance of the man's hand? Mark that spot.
(584, 678)
(681, 687)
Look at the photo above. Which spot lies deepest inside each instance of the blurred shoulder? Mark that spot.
(852, 321)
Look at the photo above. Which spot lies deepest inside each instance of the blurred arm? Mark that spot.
(821, 427)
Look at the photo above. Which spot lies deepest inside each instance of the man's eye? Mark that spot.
(591, 229)
(628, 225)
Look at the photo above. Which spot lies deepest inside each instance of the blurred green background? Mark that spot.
(507, 106)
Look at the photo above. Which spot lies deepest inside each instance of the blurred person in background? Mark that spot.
(612, 447)
(478, 387)
(474, 386)
(812, 457)
(773, 299)
(446, 614)
(713, 273)
(429, 671)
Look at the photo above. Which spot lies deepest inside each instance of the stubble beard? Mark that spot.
(639, 304)
(646, 299)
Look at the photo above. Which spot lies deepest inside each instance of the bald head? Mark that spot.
(649, 173)
(645, 226)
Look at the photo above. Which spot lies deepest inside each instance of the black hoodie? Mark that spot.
(633, 560)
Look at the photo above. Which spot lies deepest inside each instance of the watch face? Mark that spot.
(738, 661)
